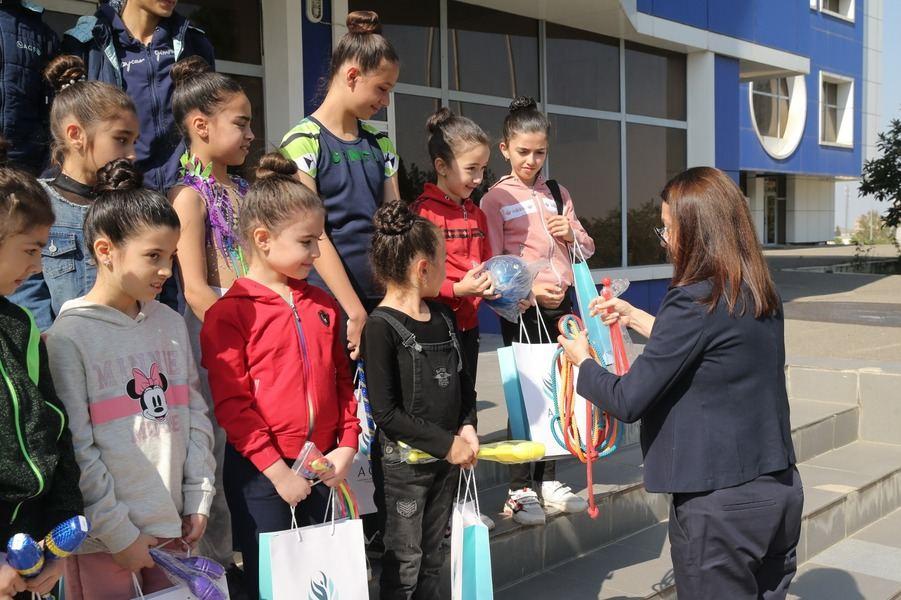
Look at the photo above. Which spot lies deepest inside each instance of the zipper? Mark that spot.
(302, 340)
(21, 439)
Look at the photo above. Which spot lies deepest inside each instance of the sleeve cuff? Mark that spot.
(442, 446)
(350, 438)
(447, 289)
(264, 458)
(590, 373)
(198, 503)
(120, 536)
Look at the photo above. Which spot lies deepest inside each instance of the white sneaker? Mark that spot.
(524, 507)
(557, 495)
(488, 521)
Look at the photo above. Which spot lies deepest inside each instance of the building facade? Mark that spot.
(778, 93)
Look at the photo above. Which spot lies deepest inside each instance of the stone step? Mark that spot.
(845, 490)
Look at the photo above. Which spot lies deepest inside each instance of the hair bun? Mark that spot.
(521, 103)
(64, 70)
(363, 22)
(118, 175)
(438, 119)
(187, 69)
(394, 218)
(274, 164)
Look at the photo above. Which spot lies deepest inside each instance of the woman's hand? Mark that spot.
(192, 528)
(341, 458)
(622, 310)
(11, 583)
(560, 228)
(577, 349)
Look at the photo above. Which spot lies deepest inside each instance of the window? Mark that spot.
(492, 52)
(655, 82)
(843, 9)
(410, 137)
(655, 155)
(836, 110)
(414, 30)
(233, 27)
(585, 157)
(582, 69)
(778, 111)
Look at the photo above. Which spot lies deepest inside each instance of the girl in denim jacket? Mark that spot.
(92, 124)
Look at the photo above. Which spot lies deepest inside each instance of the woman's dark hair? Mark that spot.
(450, 134)
(363, 44)
(89, 102)
(400, 235)
(123, 207)
(713, 238)
(524, 117)
(276, 197)
(198, 87)
(23, 202)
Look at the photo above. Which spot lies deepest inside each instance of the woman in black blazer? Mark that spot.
(709, 389)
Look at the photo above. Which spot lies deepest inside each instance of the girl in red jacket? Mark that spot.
(459, 150)
(277, 367)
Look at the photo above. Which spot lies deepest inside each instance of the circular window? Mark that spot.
(778, 111)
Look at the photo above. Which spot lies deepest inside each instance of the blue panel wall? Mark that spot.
(836, 46)
(317, 47)
(727, 106)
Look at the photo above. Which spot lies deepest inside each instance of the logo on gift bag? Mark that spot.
(323, 588)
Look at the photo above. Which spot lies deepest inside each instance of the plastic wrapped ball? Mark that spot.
(512, 281)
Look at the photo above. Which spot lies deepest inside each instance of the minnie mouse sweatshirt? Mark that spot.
(139, 425)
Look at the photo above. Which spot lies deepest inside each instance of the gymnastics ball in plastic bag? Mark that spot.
(512, 279)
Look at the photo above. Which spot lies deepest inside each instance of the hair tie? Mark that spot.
(72, 82)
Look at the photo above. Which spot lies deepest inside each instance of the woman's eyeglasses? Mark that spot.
(662, 235)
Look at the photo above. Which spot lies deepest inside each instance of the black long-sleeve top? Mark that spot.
(709, 389)
(390, 381)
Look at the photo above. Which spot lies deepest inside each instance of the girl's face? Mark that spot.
(526, 153)
(292, 250)
(465, 172)
(20, 257)
(229, 131)
(371, 92)
(140, 266)
(107, 141)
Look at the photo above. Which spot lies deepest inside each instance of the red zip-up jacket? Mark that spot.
(466, 237)
(270, 366)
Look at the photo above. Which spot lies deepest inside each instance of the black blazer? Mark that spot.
(710, 392)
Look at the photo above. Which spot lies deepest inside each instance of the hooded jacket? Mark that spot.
(278, 371)
(466, 238)
(139, 424)
(113, 56)
(38, 472)
(27, 44)
(516, 215)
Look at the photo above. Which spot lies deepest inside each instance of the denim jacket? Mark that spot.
(68, 269)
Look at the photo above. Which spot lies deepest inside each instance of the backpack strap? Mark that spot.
(409, 339)
(555, 192)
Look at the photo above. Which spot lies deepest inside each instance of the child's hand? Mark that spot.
(476, 282)
(11, 583)
(341, 458)
(460, 453)
(137, 556)
(192, 528)
(468, 433)
(293, 488)
(354, 333)
(559, 227)
(47, 578)
(548, 295)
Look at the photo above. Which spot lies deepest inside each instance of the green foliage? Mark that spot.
(881, 177)
(871, 229)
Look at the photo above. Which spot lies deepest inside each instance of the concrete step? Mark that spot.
(845, 490)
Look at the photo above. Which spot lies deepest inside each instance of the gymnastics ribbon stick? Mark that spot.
(510, 452)
(620, 359)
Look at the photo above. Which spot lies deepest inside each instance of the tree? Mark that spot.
(881, 177)
(870, 229)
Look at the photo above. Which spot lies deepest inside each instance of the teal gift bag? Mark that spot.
(516, 410)
(470, 548)
(586, 291)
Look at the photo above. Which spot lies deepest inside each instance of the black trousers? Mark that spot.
(257, 508)
(522, 475)
(417, 503)
(739, 542)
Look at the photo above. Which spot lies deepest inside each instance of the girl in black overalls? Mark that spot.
(419, 396)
